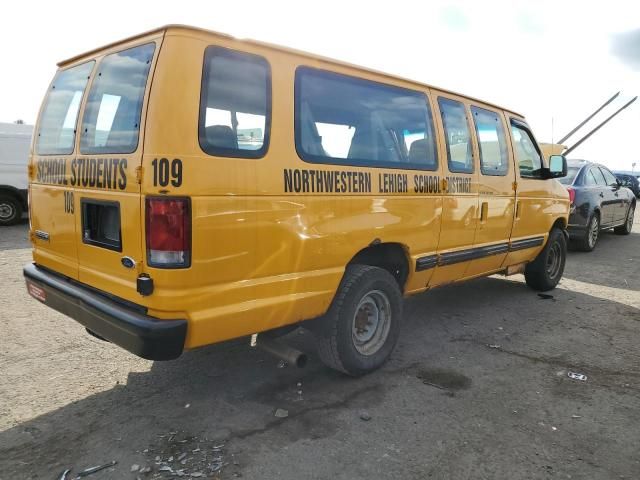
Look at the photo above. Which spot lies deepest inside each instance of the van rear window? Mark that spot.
(235, 104)
(57, 126)
(111, 121)
(351, 121)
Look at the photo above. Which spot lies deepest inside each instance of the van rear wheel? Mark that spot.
(546, 270)
(362, 326)
(10, 210)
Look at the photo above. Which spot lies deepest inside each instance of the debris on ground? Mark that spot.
(364, 415)
(577, 376)
(545, 296)
(135, 467)
(189, 456)
(64, 474)
(281, 413)
(299, 392)
(282, 364)
(97, 468)
(494, 345)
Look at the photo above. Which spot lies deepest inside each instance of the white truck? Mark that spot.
(15, 140)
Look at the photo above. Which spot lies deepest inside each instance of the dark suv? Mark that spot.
(629, 181)
(598, 202)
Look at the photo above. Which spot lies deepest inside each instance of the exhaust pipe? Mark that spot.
(280, 350)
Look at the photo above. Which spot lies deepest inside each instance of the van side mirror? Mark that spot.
(557, 166)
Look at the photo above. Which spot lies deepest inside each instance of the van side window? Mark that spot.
(111, 121)
(527, 154)
(494, 159)
(235, 104)
(351, 121)
(57, 129)
(457, 135)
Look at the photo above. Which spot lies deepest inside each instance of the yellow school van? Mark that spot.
(188, 188)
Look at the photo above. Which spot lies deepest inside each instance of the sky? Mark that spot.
(554, 62)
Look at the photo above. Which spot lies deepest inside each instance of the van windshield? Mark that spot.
(57, 128)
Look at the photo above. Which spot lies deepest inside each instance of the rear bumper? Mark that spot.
(145, 336)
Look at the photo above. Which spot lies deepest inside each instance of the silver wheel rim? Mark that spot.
(594, 229)
(554, 260)
(630, 218)
(371, 323)
(6, 211)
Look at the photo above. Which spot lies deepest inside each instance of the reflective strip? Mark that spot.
(451, 258)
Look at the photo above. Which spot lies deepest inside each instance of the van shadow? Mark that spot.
(214, 394)
(229, 393)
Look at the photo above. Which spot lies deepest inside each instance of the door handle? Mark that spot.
(518, 210)
(484, 211)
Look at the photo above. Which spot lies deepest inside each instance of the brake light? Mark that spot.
(168, 231)
(572, 195)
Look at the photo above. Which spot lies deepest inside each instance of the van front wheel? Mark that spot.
(546, 270)
(362, 326)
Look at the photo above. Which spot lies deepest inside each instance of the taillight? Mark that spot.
(572, 195)
(168, 230)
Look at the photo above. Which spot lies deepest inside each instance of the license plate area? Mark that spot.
(36, 292)
(101, 224)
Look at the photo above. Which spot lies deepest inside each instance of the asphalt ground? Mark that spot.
(478, 388)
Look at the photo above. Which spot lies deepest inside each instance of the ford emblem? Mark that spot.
(128, 262)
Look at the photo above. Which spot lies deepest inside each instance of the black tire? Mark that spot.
(626, 228)
(589, 239)
(546, 270)
(10, 210)
(364, 290)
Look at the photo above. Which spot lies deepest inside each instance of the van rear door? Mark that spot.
(52, 209)
(108, 202)
(85, 193)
